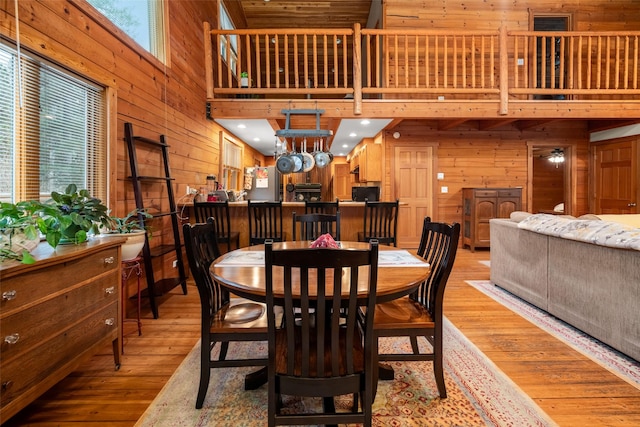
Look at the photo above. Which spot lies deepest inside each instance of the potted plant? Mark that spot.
(18, 231)
(129, 226)
(70, 216)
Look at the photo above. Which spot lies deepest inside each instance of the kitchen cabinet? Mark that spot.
(482, 204)
(366, 162)
(55, 314)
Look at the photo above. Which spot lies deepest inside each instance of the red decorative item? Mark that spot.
(325, 241)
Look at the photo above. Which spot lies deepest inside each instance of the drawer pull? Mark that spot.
(110, 321)
(109, 260)
(9, 295)
(110, 290)
(12, 339)
(7, 385)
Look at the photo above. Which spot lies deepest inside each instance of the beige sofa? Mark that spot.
(567, 269)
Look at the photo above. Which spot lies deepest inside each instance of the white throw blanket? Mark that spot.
(604, 233)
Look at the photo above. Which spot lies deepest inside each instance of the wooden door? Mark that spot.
(413, 184)
(342, 182)
(616, 177)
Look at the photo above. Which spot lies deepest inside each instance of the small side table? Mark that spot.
(129, 267)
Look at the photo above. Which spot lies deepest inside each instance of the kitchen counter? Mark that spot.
(351, 218)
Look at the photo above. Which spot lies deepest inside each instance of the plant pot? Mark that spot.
(132, 247)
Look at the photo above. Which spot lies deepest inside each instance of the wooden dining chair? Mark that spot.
(321, 207)
(420, 314)
(312, 226)
(380, 222)
(220, 211)
(265, 222)
(223, 319)
(321, 353)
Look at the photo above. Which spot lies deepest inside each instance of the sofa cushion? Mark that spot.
(517, 216)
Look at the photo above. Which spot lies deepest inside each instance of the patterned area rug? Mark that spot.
(614, 361)
(479, 394)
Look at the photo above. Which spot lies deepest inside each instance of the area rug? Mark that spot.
(478, 392)
(621, 365)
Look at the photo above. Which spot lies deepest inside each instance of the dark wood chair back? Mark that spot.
(201, 245)
(420, 315)
(217, 307)
(438, 246)
(321, 207)
(323, 350)
(312, 226)
(265, 222)
(380, 222)
(219, 211)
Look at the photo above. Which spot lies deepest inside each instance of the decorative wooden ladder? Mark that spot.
(155, 287)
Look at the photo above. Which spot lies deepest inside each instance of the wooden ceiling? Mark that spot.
(305, 14)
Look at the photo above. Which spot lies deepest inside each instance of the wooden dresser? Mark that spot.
(482, 204)
(54, 315)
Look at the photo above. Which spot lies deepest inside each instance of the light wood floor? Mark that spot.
(573, 390)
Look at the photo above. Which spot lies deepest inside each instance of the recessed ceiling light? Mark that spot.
(345, 146)
(365, 122)
(241, 126)
(353, 134)
(256, 139)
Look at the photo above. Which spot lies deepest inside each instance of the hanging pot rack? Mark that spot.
(317, 135)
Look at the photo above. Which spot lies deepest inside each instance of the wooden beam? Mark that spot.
(450, 124)
(492, 124)
(431, 109)
(530, 124)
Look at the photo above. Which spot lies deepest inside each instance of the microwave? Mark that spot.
(360, 194)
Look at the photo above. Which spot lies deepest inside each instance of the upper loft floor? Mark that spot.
(500, 75)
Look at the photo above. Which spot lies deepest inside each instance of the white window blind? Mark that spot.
(231, 164)
(52, 130)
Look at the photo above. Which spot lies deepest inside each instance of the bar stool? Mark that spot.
(129, 267)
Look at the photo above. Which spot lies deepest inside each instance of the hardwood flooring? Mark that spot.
(572, 389)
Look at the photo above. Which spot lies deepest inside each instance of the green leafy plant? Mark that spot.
(67, 217)
(70, 216)
(127, 224)
(18, 230)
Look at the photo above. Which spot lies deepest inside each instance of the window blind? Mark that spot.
(52, 130)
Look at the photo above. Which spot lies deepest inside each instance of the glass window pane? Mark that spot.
(7, 124)
(142, 20)
(52, 132)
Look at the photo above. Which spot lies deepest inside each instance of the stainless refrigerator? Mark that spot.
(266, 184)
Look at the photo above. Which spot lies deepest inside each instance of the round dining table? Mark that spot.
(242, 271)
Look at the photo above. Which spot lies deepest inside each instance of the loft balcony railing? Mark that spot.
(418, 64)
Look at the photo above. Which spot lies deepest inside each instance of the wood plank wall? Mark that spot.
(593, 15)
(157, 98)
(469, 157)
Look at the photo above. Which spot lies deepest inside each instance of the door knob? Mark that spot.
(632, 205)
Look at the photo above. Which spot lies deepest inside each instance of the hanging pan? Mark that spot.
(308, 160)
(322, 158)
(297, 159)
(285, 164)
